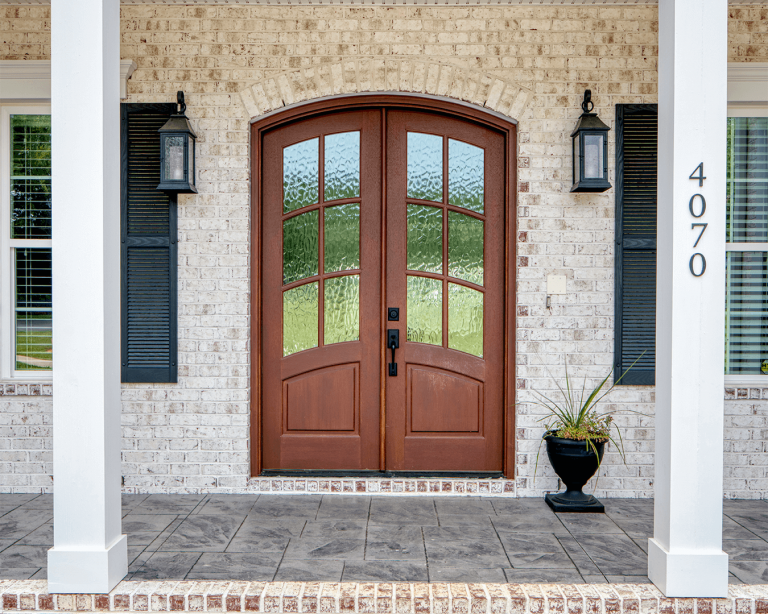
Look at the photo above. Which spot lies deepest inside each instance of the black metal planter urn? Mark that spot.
(574, 462)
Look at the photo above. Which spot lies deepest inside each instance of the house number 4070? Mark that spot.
(698, 207)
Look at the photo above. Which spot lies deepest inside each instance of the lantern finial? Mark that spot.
(587, 105)
(182, 107)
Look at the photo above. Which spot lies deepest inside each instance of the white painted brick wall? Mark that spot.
(195, 435)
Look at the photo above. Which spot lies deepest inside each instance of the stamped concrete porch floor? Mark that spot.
(336, 538)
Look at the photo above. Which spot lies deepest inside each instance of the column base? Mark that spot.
(675, 574)
(87, 571)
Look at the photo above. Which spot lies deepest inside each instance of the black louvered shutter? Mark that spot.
(635, 322)
(148, 254)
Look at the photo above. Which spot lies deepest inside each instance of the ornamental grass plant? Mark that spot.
(577, 415)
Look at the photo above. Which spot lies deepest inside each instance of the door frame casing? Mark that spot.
(507, 127)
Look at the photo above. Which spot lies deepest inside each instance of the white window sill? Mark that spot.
(746, 381)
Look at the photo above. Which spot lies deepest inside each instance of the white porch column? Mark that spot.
(685, 557)
(89, 553)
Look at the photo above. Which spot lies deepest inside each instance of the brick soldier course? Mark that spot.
(385, 598)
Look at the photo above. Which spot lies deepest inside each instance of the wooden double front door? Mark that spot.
(382, 223)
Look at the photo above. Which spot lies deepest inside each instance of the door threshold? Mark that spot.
(392, 483)
(330, 473)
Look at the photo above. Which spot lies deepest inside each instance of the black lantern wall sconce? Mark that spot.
(590, 150)
(177, 152)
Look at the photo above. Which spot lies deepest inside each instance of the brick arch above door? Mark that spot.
(357, 76)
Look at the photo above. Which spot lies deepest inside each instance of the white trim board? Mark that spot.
(31, 79)
(747, 84)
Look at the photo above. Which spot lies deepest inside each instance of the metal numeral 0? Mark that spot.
(703, 265)
(703, 205)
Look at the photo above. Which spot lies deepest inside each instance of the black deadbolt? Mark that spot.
(393, 314)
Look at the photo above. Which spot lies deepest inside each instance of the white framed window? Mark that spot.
(746, 272)
(26, 349)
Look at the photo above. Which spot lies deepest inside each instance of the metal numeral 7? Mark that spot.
(701, 234)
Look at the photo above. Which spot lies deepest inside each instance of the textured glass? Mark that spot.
(466, 175)
(465, 247)
(465, 319)
(425, 239)
(301, 172)
(32, 323)
(342, 238)
(425, 310)
(342, 165)
(174, 158)
(30, 176)
(300, 246)
(300, 315)
(747, 180)
(342, 309)
(593, 156)
(746, 312)
(425, 166)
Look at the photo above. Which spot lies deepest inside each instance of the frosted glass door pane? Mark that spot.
(425, 310)
(342, 309)
(425, 239)
(300, 313)
(342, 238)
(465, 247)
(465, 319)
(301, 168)
(300, 247)
(466, 175)
(425, 166)
(342, 165)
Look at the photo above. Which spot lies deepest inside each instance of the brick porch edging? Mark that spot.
(400, 598)
(381, 486)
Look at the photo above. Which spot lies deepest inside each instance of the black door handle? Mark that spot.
(393, 342)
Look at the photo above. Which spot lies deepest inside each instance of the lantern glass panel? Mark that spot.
(174, 158)
(593, 156)
(191, 162)
(576, 159)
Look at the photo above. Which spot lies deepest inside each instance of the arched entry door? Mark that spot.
(383, 221)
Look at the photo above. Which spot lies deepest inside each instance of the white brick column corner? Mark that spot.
(89, 553)
(685, 556)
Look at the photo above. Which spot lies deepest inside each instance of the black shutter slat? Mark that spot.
(149, 269)
(635, 301)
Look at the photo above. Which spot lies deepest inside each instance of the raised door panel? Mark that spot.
(443, 402)
(323, 400)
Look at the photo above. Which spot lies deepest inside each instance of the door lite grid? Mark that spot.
(321, 242)
(445, 243)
